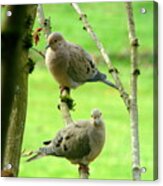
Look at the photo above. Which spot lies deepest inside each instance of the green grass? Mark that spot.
(109, 21)
(44, 120)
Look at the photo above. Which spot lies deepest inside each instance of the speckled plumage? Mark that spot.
(71, 65)
(79, 142)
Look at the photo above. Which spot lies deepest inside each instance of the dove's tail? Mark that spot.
(35, 157)
(109, 83)
(102, 77)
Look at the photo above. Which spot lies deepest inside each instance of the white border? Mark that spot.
(52, 182)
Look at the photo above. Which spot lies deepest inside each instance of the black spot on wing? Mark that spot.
(91, 63)
(47, 142)
(88, 69)
(60, 139)
(68, 137)
(57, 145)
(65, 147)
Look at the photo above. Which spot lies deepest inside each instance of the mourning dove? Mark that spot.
(79, 142)
(71, 65)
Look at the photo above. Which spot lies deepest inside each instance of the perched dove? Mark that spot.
(70, 65)
(79, 142)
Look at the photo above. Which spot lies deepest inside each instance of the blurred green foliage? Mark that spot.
(109, 21)
(44, 120)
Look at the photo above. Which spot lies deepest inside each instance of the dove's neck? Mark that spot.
(97, 122)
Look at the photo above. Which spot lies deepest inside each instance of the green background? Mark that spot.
(109, 21)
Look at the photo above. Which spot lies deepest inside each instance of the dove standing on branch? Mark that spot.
(71, 65)
(79, 142)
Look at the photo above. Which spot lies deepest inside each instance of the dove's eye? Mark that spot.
(55, 41)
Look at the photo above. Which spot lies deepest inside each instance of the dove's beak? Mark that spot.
(97, 121)
(47, 46)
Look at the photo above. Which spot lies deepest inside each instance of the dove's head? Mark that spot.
(96, 117)
(55, 41)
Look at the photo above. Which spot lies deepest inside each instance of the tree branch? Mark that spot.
(65, 109)
(112, 69)
(47, 30)
(39, 52)
(63, 105)
(44, 22)
(133, 97)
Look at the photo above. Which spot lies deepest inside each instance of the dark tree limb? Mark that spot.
(16, 41)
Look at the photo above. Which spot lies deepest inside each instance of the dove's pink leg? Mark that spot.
(84, 168)
(64, 88)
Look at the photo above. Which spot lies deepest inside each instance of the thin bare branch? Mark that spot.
(47, 30)
(112, 69)
(65, 109)
(44, 22)
(39, 52)
(133, 97)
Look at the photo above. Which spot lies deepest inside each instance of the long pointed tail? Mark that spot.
(102, 77)
(35, 157)
(109, 83)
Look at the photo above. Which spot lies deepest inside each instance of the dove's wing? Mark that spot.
(75, 142)
(81, 67)
(71, 142)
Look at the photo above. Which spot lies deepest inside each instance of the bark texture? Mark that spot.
(16, 41)
(136, 170)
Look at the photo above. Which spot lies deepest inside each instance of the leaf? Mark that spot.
(36, 35)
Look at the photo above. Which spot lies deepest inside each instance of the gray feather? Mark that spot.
(70, 64)
(35, 157)
(102, 77)
(80, 142)
(109, 83)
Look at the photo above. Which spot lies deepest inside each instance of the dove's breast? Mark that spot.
(97, 141)
(57, 63)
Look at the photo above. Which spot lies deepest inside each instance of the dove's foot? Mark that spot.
(65, 97)
(84, 169)
(64, 90)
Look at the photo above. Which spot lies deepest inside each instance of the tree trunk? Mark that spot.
(16, 41)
